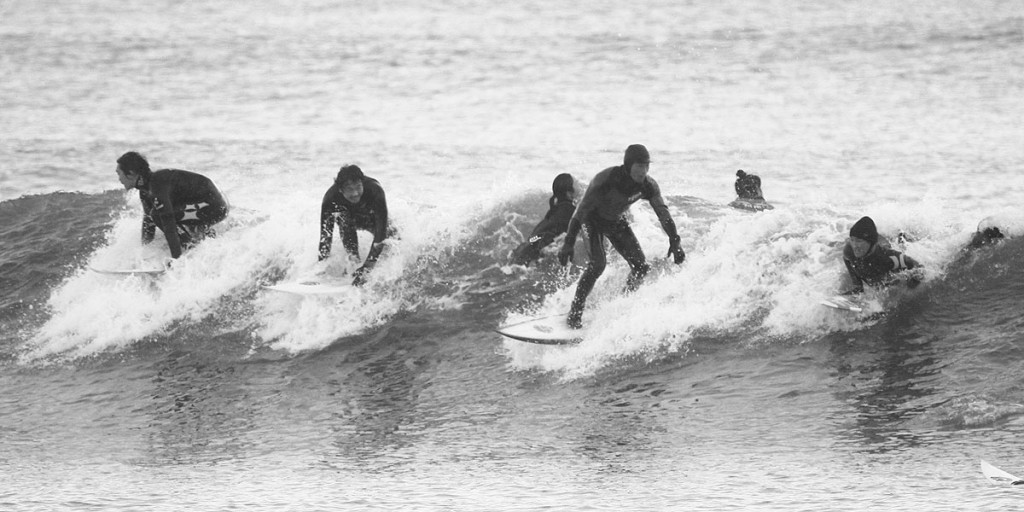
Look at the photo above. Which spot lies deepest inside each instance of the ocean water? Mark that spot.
(722, 384)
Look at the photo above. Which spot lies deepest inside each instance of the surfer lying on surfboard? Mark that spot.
(357, 202)
(602, 210)
(870, 260)
(184, 205)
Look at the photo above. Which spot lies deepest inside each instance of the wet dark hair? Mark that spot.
(134, 163)
(348, 173)
(993, 233)
(560, 188)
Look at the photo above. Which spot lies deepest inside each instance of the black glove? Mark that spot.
(675, 250)
(565, 254)
(360, 276)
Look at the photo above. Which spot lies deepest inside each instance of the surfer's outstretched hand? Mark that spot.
(674, 250)
(565, 254)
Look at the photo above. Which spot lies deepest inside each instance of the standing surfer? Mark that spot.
(602, 210)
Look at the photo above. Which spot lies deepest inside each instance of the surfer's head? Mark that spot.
(637, 162)
(350, 182)
(741, 174)
(130, 167)
(863, 236)
(988, 236)
(563, 188)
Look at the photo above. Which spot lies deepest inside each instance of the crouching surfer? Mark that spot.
(356, 202)
(184, 205)
(561, 207)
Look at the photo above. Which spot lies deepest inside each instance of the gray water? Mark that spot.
(721, 386)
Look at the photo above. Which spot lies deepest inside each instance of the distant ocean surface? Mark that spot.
(721, 384)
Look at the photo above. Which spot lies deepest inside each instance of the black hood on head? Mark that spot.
(635, 153)
(865, 230)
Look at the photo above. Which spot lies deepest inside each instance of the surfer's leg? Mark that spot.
(624, 241)
(595, 267)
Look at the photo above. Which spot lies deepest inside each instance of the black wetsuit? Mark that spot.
(988, 236)
(749, 187)
(184, 205)
(369, 214)
(877, 267)
(555, 222)
(603, 210)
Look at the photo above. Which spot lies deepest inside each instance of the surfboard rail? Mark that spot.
(545, 330)
(310, 287)
(152, 271)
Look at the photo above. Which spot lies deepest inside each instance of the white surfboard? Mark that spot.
(548, 330)
(311, 288)
(145, 271)
(754, 205)
(997, 475)
(844, 303)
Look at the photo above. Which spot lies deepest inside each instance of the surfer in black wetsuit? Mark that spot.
(555, 222)
(748, 186)
(184, 205)
(602, 210)
(357, 202)
(869, 259)
(987, 234)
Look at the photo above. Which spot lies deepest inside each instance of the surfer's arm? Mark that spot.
(665, 218)
(903, 262)
(554, 223)
(148, 226)
(591, 198)
(326, 229)
(163, 215)
(661, 210)
(380, 227)
(349, 237)
(858, 283)
(757, 187)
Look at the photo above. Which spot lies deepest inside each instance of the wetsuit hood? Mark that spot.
(635, 153)
(865, 230)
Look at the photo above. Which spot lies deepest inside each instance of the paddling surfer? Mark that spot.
(870, 260)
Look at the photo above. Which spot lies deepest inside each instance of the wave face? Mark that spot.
(749, 279)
